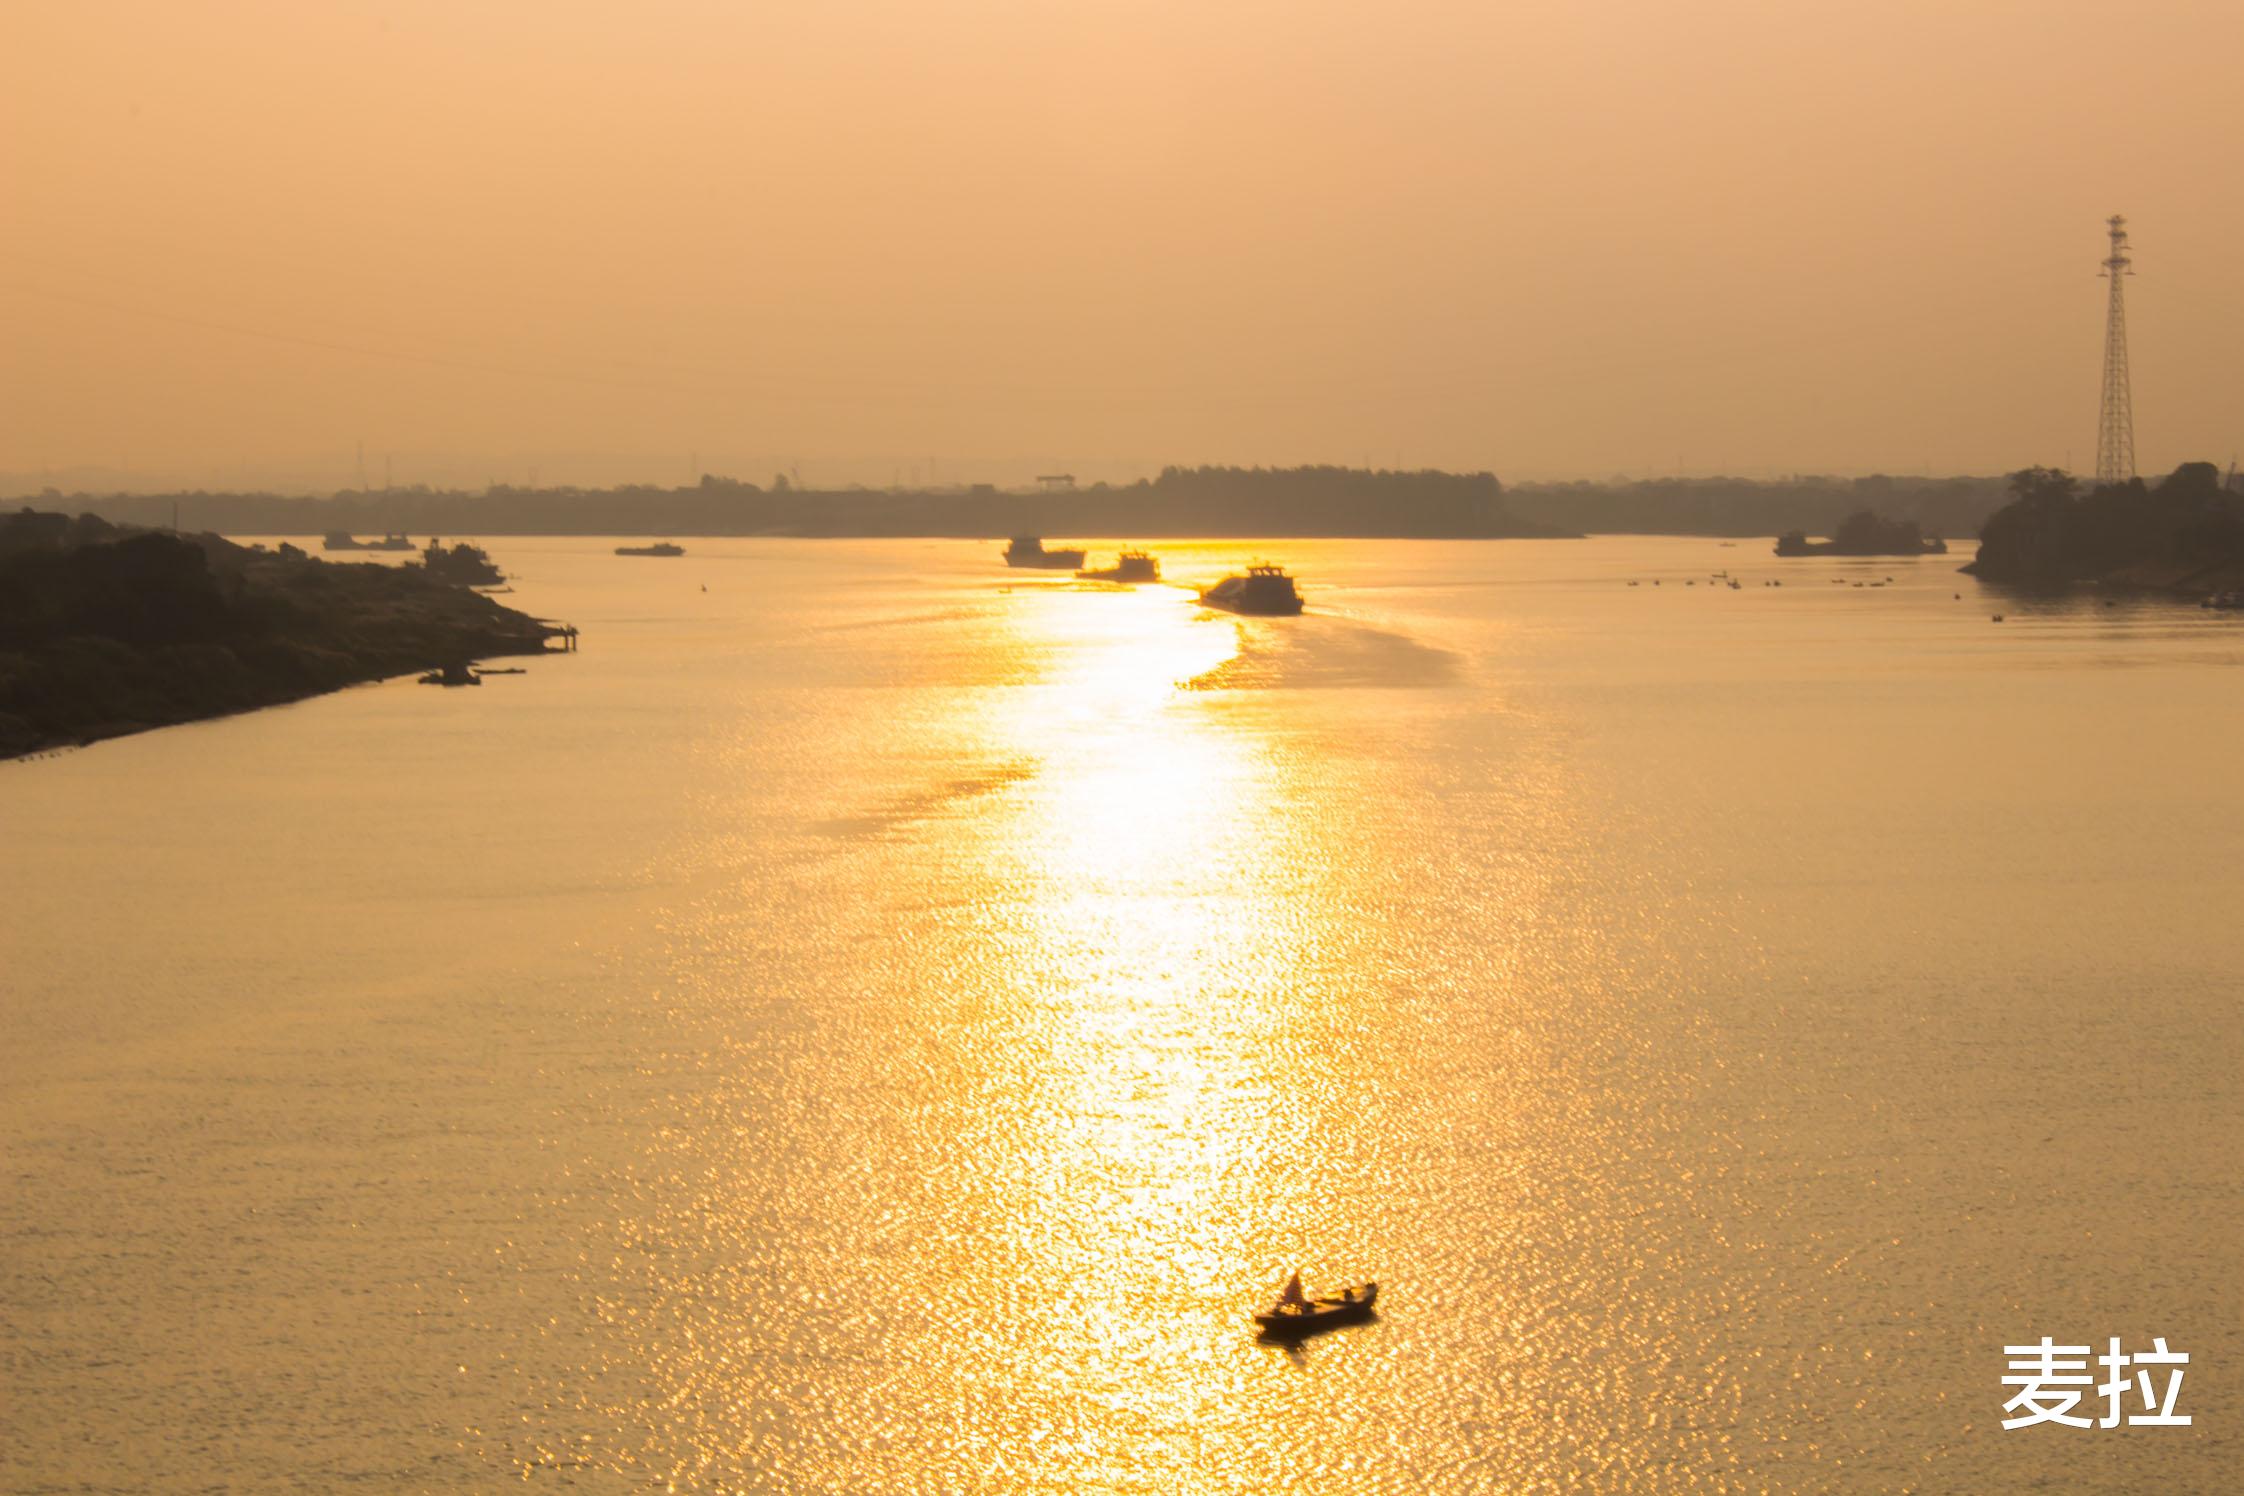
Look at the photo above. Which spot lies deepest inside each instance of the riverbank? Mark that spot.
(1184, 503)
(107, 630)
(2185, 579)
(2182, 536)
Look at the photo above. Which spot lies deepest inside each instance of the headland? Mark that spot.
(106, 630)
(2182, 535)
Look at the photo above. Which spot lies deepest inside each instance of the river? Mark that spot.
(875, 1022)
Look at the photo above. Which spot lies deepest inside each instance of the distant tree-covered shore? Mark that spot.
(1738, 508)
(1181, 502)
(2183, 534)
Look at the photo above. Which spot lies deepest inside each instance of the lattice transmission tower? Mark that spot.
(2115, 433)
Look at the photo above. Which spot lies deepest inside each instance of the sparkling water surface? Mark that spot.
(877, 1022)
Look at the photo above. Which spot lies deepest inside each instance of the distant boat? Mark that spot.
(1296, 1314)
(1265, 589)
(1130, 566)
(659, 548)
(1028, 550)
(343, 540)
(452, 675)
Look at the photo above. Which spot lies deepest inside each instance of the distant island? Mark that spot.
(2184, 535)
(107, 630)
(1182, 503)
(1864, 533)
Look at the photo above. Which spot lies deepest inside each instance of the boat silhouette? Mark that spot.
(1130, 566)
(1296, 1314)
(1265, 589)
(1028, 550)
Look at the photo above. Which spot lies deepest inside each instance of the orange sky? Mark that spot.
(1549, 239)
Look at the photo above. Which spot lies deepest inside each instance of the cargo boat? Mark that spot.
(1265, 589)
(343, 540)
(1130, 566)
(1028, 550)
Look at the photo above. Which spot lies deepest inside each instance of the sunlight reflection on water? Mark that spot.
(883, 1023)
(1149, 1027)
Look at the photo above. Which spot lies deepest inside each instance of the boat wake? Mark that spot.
(902, 811)
(1322, 652)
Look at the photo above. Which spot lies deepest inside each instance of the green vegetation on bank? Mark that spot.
(1181, 503)
(105, 631)
(2184, 534)
(1741, 507)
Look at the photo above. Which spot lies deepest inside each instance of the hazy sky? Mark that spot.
(1549, 239)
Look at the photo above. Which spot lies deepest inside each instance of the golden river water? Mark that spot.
(875, 1022)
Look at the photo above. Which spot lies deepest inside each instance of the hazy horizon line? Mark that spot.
(292, 480)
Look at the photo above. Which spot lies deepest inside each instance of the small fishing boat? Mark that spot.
(1296, 1313)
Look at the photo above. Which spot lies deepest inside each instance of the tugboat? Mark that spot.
(1264, 589)
(1296, 1314)
(659, 548)
(1028, 550)
(1130, 566)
